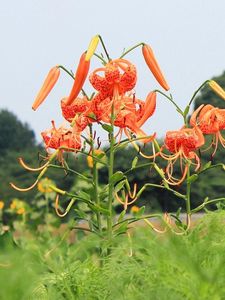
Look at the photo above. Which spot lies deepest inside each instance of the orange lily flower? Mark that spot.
(62, 138)
(182, 143)
(130, 113)
(120, 77)
(211, 120)
(77, 112)
(119, 72)
(80, 77)
(153, 66)
(47, 86)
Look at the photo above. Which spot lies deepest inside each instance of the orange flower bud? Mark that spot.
(153, 66)
(217, 89)
(81, 75)
(47, 86)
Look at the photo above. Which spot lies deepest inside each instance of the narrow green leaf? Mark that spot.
(134, 162)
(207, 165)
(180, 111)
(84, 195)
(121, 229)
(97, 208)
(140, 212)
(119, 186)
(116, 177)
(178, 212)
(81, 214)
(186, 111)
(121, 216)
(192, 178)
(107, 127)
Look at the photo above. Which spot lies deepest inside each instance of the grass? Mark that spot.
(145, 266)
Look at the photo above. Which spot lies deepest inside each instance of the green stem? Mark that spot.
(101, 58)
(179, 195)
(135, 219)
(47, 210)
(104, 47)
(206, 203)
(171, 100)
(110, 173)
(67, 71)
(70, 170)
(196, 92)
(70, 73)
(131, 49)
(95, 180)
(188, 194)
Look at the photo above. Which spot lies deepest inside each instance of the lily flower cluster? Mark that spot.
(113, 93)
(114, 103)
(186, 142)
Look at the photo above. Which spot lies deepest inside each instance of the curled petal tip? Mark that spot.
(61, 215)
(26, 167)
(23, 189)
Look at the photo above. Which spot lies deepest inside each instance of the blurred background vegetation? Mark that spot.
(18, 140)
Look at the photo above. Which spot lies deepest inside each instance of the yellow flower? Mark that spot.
(21, 211)
(1, 205)
(43, 185)
(98, 153)
(134, 209)
(13, 205)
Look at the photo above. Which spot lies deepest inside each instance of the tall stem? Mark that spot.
(97, 199)
(104, 47)
(188, 195)
(110, 173)
(95, 180)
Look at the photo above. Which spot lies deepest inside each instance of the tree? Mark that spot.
(14, 135)
(18, 140)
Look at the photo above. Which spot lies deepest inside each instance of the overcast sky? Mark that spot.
(188, 39)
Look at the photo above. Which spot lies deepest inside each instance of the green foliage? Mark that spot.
(142, 266)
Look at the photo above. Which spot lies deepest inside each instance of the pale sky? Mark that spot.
(188, 38)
